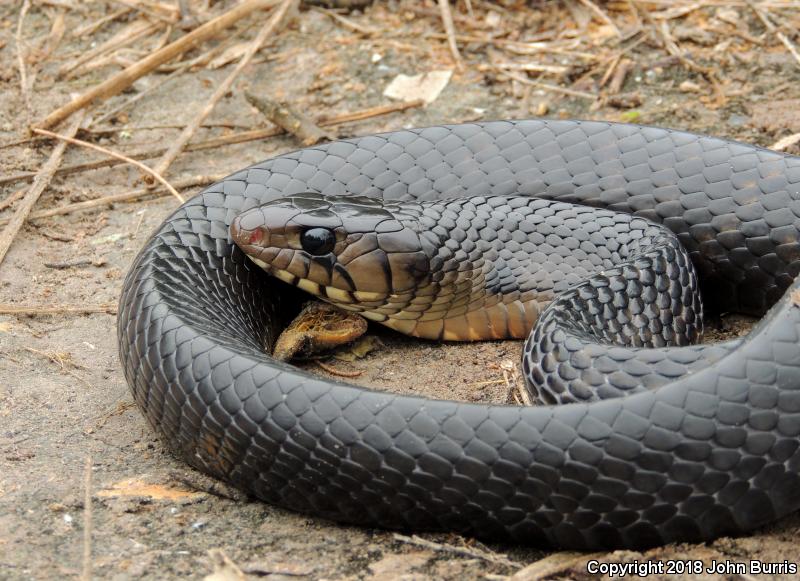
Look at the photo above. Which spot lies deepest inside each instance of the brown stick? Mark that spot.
(116, 83)
(486, 555)
(128, 35)
(285, 117)
(57, 309)
(762, 16)
(124, 197)
(93, 26)
(546, 86)
(154, 174)
(242, 137)
(11, 198)
(146, 11)
(57, 30)
(602, 15)
(450, 29)
(40, 183)
(138, 96)
(23, 76)
(346, 22)
(177, 146)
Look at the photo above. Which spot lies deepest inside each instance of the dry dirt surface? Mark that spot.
(86, 488)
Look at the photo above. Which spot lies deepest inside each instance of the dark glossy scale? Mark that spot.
(714, 452)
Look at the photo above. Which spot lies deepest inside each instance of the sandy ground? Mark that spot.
(68, 427)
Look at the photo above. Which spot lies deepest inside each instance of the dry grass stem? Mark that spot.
(547, 87)
(178, 145)
(155, 175)
(336, 371)
(40, 183)
(215, 142)
(57, 30)
(93, 27)
(125, 78)
(138, 96)
(146, 11)
(482, 554)
(602, 15)
(130, 196)
(11, 198)
(21, 53)
(290, 120)
(346, 22)
(126, 36)
(450, 30)
(770, 26)
(534, 67)
(34, 310)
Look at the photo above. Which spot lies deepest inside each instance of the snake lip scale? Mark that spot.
(710, 451)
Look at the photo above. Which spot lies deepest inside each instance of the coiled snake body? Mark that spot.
(705, 443)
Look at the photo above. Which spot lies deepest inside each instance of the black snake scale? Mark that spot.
(714, 452)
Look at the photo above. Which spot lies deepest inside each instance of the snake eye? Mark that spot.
(318, 241)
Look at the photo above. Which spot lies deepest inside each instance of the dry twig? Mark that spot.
(467, 551)
(144, 10)
(34, 310)
(547, 86)
(124, 197)
(57, 30)
(126, 36)
(23, 75)
(92, 27)
(40, 183)
(124, 105)
(450, 29)
(120, 81)
(346, 22)
(11, 198)
(765, 20)
(285, 117)
(154, 174)
(242, 137)
(336, 371)
(602, 15)
(178, 145)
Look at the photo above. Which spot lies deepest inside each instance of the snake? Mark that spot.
(603, 233)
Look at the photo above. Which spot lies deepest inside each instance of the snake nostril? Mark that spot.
(255, 236)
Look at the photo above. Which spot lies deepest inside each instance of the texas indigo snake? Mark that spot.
(714, 452)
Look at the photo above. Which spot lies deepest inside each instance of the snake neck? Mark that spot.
(470, 293)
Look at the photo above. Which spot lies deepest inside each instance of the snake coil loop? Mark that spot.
(712, 453)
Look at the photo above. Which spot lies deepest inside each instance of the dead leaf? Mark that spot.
(427, 86)
(780, 145)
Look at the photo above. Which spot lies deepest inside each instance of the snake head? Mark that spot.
(351, 251)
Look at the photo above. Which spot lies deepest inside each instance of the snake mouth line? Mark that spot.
(342, 297)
